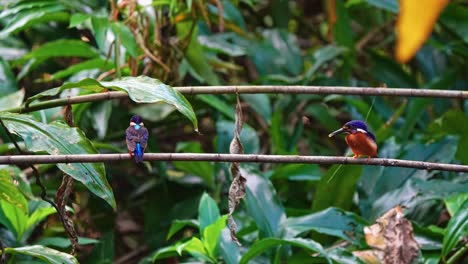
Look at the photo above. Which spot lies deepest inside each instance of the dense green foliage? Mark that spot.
(295, 213)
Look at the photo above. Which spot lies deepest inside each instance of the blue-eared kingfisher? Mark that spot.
(359, 138)
(136, 136)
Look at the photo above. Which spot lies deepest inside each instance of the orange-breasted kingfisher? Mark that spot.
(359, 138)
(137, 138)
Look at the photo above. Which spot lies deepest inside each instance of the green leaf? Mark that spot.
(228, 250)
(128, 40)
(342, 256)
(297, 172)
(260, 103)
(141, 89)
(387, 71)
(46, 254)
(413, 193)
(179, 224)
(62, 48)
(248, 136)
(61, 242)
(194, 53)
(13, 218)
(456, 229)
(331, 221)
(10, 193)
(57, 138)
(196, 248)
(264, 206)
(218, 104)
(7, 79)
(205, 170)
(278, 53)
(212, 234)
(337, 187)
(321, 56)
(96, 63)
(220, 43)
(78, 19)
(454, 203)
(208, 212)
(144, 89)
(55, 49)
(33, 16)
(12, 100)
(376, 182)
(265, 244)
(455, 17)
(342, 32)
(39, 215)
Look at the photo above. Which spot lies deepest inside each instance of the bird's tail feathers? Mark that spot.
(138, 153)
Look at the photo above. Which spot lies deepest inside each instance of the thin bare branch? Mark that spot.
(326, 160)
(273, 89)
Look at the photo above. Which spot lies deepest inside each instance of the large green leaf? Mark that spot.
(126, 37)
(141, 89)
(57, 138)
(194, 53)
(377, 181)
(413, 193)
(46, 254)
(32, 16)
(194, 247)
(454, 203)
(264, 206)
(204, 170)
(10, 193)
(179, 224)
(208, 212)
(212, 234)
(456, 229)
(13, 218)
(62, 48)
(96, 63)
(12, 100)
(337, 187)
(54, 49)
(7, 79)
(265, 244)
(331, 221)
(144, 89)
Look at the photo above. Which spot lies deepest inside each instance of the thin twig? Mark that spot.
(285, 89)
(326, 160)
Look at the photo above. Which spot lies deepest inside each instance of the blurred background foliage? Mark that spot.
(173, 212)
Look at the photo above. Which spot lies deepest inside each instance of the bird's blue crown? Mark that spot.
(136, 119)
(357, 124)
(360, 124)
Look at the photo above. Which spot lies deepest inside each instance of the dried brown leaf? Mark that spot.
(237, 188)
(392, 239)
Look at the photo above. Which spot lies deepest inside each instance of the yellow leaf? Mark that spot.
(414, 25)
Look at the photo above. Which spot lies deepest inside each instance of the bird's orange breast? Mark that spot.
(361, 144)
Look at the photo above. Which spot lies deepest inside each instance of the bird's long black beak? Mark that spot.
(339, 131)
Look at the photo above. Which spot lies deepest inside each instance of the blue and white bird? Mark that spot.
(359, 138)
(136, 138)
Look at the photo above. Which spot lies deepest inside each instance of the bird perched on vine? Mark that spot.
(359, 138)
(137, 138)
